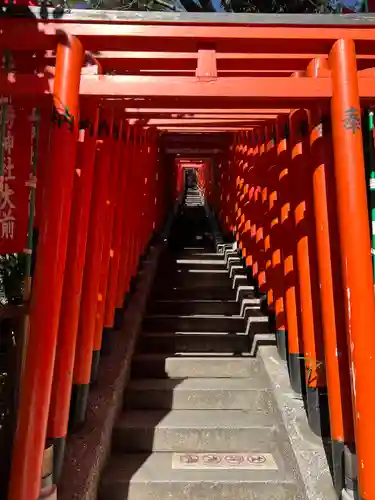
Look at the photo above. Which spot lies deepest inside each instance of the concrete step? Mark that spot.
(193, 280)
(198, 263)
(155, 477)
(172, 343)
(195, 431)
(198, 366)
(202, 268)
(199, 394)
(201, 293)
(185, 307)
(198, 253)
(256, 323)
(198, 323)
(236, 271)
(176, 264)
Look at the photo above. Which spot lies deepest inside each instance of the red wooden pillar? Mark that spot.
(69, 315)
(276, 239)
(257, 200)
(288, 251)
(224, 193)
(247, 213)
(138, 207)
(134, 214)
(118, 234)
(48, 281)
(330, 278)
(153, 200)
(269, 215)
(234, 186)
(303, 208)
(242, 198)
(260, 195)
(238, 165)
(239, 188)
(91, 275)
(229, 189)
(160, 187)
(249, 201)
(355, 253)
(106, 251)
(220, 192)
(148, 193)
(122, 287)
(262, 214)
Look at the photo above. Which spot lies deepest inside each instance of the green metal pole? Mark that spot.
(372, 185)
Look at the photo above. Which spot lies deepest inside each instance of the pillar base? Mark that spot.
(127, 298)
(271, 320)
(59, 445)
(264, 304)
(350, 472)
(95, 367)
(119, 318)
(296, 368)
(282, 343)
(318, 410)
(338, 448)
(249, 275)
(133, 284)
(263, 299)
(106, 341)
(78, 406)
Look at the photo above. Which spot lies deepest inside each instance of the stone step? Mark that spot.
(172, 343)
(256, 323)
(195, 431)
(198, 253)
(185, 307)
(199, 394)
(191, 263)
(153, 477)
(167, 279)
(201, 293)
(171, 267)
(236, 271)
(197, 323)
(198, 366)
(186, 263)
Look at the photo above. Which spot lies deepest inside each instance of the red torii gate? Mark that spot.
(202, 76)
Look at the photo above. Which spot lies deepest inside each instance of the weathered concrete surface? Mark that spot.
(198, 394)
(150, 477)
(193, 307)
(198, 366)
(307, 447)
(195, 431)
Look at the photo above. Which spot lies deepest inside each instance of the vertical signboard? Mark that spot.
(14, 190)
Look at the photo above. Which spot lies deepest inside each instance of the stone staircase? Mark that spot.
(199, 420)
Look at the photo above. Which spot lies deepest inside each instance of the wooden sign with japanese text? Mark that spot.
(14, 186)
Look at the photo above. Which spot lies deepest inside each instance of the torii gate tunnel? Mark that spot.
(269, 111)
